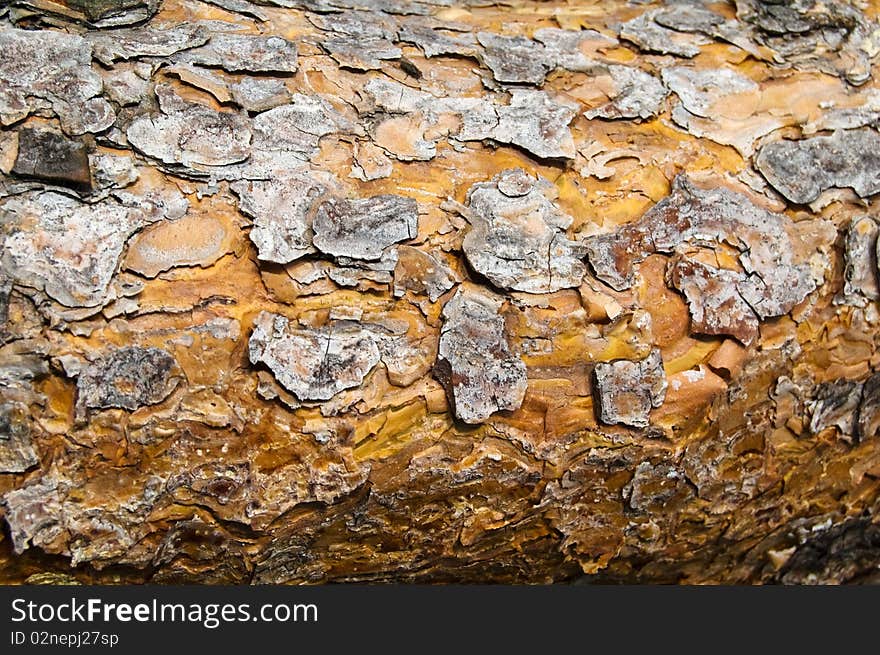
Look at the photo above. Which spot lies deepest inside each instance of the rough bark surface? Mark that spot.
(303, 291)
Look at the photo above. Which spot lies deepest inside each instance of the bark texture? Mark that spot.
(301, 291)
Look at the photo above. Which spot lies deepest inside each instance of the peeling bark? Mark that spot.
(801, 170)
(304, 291)
(474, 362)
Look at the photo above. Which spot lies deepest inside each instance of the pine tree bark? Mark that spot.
(306, 291)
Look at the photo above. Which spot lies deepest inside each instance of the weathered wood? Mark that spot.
(351, 290)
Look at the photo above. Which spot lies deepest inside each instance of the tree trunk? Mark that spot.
(358, 290)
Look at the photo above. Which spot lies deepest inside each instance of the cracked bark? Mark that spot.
(351, 291)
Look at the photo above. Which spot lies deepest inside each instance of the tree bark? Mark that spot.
(311, 291)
